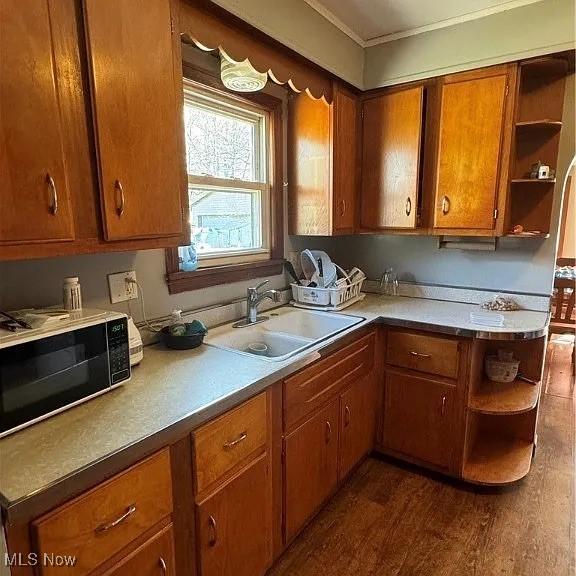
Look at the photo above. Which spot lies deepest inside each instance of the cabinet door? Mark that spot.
(34, 195)
(418, 418)
(471, 126)
(357, 423)
(137, 101)
(311, 467)
(345, 161)
(154, 558)
(392, 135)
(234, 525)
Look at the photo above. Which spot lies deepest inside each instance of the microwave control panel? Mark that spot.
(118, 350)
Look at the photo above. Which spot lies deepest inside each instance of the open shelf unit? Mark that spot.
(501, 417)
(538, 121)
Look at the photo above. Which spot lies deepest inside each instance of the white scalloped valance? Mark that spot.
(210, 32)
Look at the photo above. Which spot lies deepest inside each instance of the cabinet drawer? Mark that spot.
(310, 388)
(154, 558)
(430, 354)
(100, 523)
(222, 444)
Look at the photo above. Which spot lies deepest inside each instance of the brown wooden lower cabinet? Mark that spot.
(418, 418)
(357, 423)
(234, 532)
(154, 558)
(310, 466)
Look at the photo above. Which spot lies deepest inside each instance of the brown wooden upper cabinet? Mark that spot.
(137, 102)
(472, 119)
(34, 200)
(392, 131)
(322, 174)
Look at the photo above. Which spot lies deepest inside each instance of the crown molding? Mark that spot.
(477, 14)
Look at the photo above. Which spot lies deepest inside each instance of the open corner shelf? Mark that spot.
(498, 460)
(505, 398)
(542, 236)
(533, 181)
(544, 123)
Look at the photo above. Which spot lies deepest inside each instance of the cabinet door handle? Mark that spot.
(443, 410)
(328, 432)
(109, 525)
(236, 441)
(408, 206)
(119, 193)
(346, 415)
(163, 566)
(52, 185)
(214, 538)
(419, 354)
(445, 205)
(342, 207)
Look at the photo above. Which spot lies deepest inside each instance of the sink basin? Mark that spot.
(287, 332)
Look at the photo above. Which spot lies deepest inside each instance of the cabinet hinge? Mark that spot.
(496, 214)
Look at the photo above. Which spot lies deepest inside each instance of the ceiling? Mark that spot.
(372, 22)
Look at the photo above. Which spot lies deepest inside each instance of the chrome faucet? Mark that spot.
(253, 298)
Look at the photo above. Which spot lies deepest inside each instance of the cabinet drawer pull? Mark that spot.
(408, 206)
(109, 525)
(119, 190)
(235, 442)
(54, 205)
(419, 354)
(346, 415)
(163, 566)
(214, 539)
(445, 205)
(443, 410)
(328, 432)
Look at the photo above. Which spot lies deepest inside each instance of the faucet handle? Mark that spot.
(258, 286)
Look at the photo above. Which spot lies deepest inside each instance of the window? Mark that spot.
(226, 159)
(232, 149)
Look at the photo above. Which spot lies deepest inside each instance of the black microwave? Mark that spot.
(47, 370)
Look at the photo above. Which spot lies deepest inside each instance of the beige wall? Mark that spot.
(300, 27)
(568, 247)
(532, 30)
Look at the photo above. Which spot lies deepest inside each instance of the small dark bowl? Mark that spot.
(185, 342)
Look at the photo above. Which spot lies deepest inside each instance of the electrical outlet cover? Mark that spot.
(120, 290)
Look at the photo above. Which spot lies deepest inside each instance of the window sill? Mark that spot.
(205, 277)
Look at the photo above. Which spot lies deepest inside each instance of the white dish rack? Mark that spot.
(336, 298)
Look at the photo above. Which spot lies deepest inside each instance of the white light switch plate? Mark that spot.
(120, 290)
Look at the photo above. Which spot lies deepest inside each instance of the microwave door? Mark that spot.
(43, 376)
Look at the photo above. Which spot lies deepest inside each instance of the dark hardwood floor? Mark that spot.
(392, 520)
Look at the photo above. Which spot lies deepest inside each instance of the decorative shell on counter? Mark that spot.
(501, 304)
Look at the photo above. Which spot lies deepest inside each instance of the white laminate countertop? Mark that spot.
(175, 391)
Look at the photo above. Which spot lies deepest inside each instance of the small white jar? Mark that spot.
(72, 294)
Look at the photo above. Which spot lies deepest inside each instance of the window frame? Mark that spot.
(211, 275)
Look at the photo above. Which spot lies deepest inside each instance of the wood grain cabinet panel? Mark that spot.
(224, 443)
(34, 194)
(314, 386)
(423, 352)
(102, 522)
(311, 467)
(153, 558)
(137, 102)
(345, 177)
(391, 149)
(322, 163)
(357, 423)
(471, 127)
(234, 527)
(418, 418)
